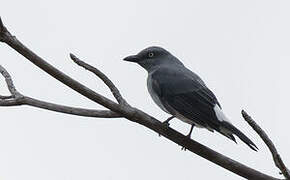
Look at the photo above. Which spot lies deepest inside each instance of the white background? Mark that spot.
(240, 48)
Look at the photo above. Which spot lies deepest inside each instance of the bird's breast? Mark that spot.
(154, 95)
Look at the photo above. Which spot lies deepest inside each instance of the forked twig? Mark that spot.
(17, 98)
(9, 83)
(116, 93)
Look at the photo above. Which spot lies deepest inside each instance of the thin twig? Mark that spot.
(14, 43)
(70, 110)
(9, 82)
(17, 99)
(116, 93)
(6, 97)
(276, 157)
(24, 100)
(9, 102)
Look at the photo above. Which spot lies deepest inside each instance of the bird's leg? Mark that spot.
(167, 120)
(188, 135)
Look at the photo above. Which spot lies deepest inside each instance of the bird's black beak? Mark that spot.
(133, 58)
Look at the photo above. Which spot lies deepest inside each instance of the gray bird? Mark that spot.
(181, 93)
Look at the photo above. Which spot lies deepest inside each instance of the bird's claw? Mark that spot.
(186, 137)
(165, 123)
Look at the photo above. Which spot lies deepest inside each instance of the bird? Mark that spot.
(183, 94)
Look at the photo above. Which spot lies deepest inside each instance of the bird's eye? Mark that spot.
(151, 54)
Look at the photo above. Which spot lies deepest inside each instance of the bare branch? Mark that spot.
(70, 110)
(276, 157)
(17, 99)
(13, 99)
(103, 77)
(6, 97)
(9, 102)
(9, 82)
(199, 149)
(24, 100)
(14, 43)
(137, 115)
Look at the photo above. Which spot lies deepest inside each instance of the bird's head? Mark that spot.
(152, 57)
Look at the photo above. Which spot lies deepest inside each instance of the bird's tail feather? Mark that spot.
(227, 129)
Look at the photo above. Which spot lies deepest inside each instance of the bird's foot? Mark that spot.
(166, 123)
(186, 137)
(167, 120)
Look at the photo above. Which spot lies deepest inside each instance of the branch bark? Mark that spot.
(131, 113)
(17, 98)
(276, 157)
(9, 83)
(116, 93)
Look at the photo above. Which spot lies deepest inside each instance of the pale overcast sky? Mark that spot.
(240, 48)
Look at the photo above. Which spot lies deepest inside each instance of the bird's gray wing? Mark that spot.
(182, 91)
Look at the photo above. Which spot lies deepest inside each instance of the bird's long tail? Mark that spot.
(227, 129)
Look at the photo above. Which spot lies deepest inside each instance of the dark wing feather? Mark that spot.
(181, 90)
(195, 105)
(184, 92)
